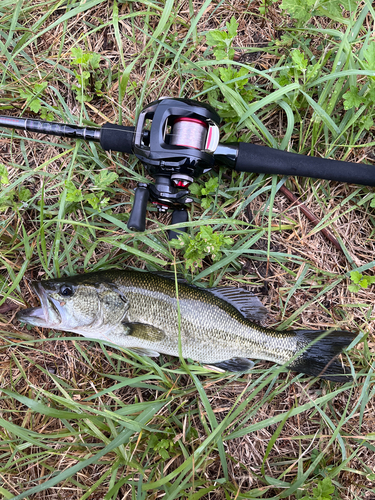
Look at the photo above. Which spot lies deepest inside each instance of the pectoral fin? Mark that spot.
(235, 365)
(143, 331)
(144, 352)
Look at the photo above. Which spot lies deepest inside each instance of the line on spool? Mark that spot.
(189, 133)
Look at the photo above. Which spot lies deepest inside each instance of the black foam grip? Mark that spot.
(263, 160)
(137, 219)
(117, 138)
(177, 217)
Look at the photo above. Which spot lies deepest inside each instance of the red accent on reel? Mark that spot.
(192, 120)
(161, 206)
(180, 183)
(209, 138)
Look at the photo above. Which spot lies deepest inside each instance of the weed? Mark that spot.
(209, 187)
(323, 490)
(163, 444)
(95, 198)
(264, 6)
(16, 198)
(233, 78)
(303, 10)
(206, 243)
(363, 95)
(360, 281)
(33, 101)
(88, 76)
(4, 179)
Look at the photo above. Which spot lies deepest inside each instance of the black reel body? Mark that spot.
(177, 136)
(175, 139)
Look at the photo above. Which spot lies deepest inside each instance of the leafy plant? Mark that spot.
(297, 68)
(323, 491)
(96, 197)
(221, 41)
(88, 74)
(17, 198)
(3, 174)
(235, 79)
(360, 281)
(206, 243)
(303, 10)
(209, 187)
(33, 101)
(364, 95)
(161, 445)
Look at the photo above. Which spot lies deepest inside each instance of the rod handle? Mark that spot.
(263, 160)
(117, 138)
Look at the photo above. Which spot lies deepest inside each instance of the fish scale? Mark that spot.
(210, 330)
(140, 311)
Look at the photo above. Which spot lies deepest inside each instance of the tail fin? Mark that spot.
(318, 359)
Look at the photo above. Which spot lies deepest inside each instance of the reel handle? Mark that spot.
(137, 219)
(263, 160)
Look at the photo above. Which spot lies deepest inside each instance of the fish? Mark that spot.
(221, 326)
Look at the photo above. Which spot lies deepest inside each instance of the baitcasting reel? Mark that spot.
(178, 140)
(175, 139)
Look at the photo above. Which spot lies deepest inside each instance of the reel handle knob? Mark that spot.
(137, 219)
(177, 217)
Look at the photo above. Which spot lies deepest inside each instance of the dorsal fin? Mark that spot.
(244, 301)
(171, 276)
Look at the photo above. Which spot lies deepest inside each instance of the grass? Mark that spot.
(83, 420)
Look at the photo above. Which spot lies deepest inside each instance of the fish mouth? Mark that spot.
(46, 315)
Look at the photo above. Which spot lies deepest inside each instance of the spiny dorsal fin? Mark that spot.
(171, 276)
(244, 301)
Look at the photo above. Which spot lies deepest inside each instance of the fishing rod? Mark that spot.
(178, 140)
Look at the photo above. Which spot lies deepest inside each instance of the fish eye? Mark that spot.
(66, 290)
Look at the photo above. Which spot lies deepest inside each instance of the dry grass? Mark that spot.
(299, 275)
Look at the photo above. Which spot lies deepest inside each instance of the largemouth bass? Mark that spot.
(139, 311)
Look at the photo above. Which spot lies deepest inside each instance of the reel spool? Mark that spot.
(189, 133)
